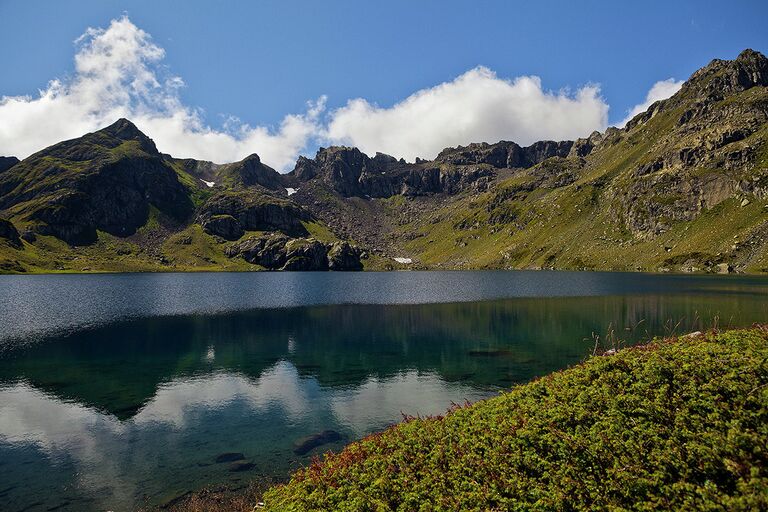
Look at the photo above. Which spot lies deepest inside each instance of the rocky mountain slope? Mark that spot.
(683, 187)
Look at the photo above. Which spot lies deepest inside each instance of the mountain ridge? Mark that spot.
(679, 188)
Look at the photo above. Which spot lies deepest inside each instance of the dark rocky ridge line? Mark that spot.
(115, 196)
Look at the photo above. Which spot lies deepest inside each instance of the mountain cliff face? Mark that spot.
(683, 187)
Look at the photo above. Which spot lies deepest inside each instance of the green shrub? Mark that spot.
(673, 425)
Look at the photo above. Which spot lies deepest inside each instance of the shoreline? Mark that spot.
(381, 270)
(323, 473)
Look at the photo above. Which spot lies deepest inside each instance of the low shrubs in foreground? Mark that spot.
(679, 424)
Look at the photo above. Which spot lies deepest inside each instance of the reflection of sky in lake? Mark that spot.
(188, 422)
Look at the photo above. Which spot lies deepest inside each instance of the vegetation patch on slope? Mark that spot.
(678, 424)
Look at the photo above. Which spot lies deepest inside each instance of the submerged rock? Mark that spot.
(229, 457)
(241, 465)
(309, 443)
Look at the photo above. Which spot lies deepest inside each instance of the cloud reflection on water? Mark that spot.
(116, 461)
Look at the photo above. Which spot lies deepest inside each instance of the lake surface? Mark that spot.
(118, 391)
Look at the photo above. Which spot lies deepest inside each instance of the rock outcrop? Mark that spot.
(343, 256)
(225, 226)
(277, 251)
(9, 233)
(504, 154)
(230, 213)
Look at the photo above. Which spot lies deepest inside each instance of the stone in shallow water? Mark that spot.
(241, 465)
(490, 353)
(230, 457)
(307, 444)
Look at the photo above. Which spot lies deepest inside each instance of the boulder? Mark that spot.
(225, 226)
(724, 268)
(343, 256)
(305, 254)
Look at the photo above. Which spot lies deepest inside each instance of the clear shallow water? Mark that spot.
(120, 390)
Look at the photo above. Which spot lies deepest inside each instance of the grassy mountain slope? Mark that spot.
(684, 186)
(673, 425)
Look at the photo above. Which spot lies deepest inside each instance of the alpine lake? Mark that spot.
(122, 391)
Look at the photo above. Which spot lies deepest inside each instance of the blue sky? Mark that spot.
(262, 60)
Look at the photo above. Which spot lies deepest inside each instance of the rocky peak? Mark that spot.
(714, 82)
(305, 169)
(78, 187)
(583, 147)
(201, 169)
(504, 154)
(349, 156)
(721, 78)
(250, 171)
(385, 160)
(340, 166)
(125, 130)
(343, 167)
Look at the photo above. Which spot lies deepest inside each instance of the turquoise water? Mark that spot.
(122, 390)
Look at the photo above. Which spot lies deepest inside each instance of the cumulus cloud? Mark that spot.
(477, 106)
(119, 73)
(661, 90)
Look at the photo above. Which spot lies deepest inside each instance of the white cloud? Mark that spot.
(661, 90)
(477, 106)
(118, 73)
